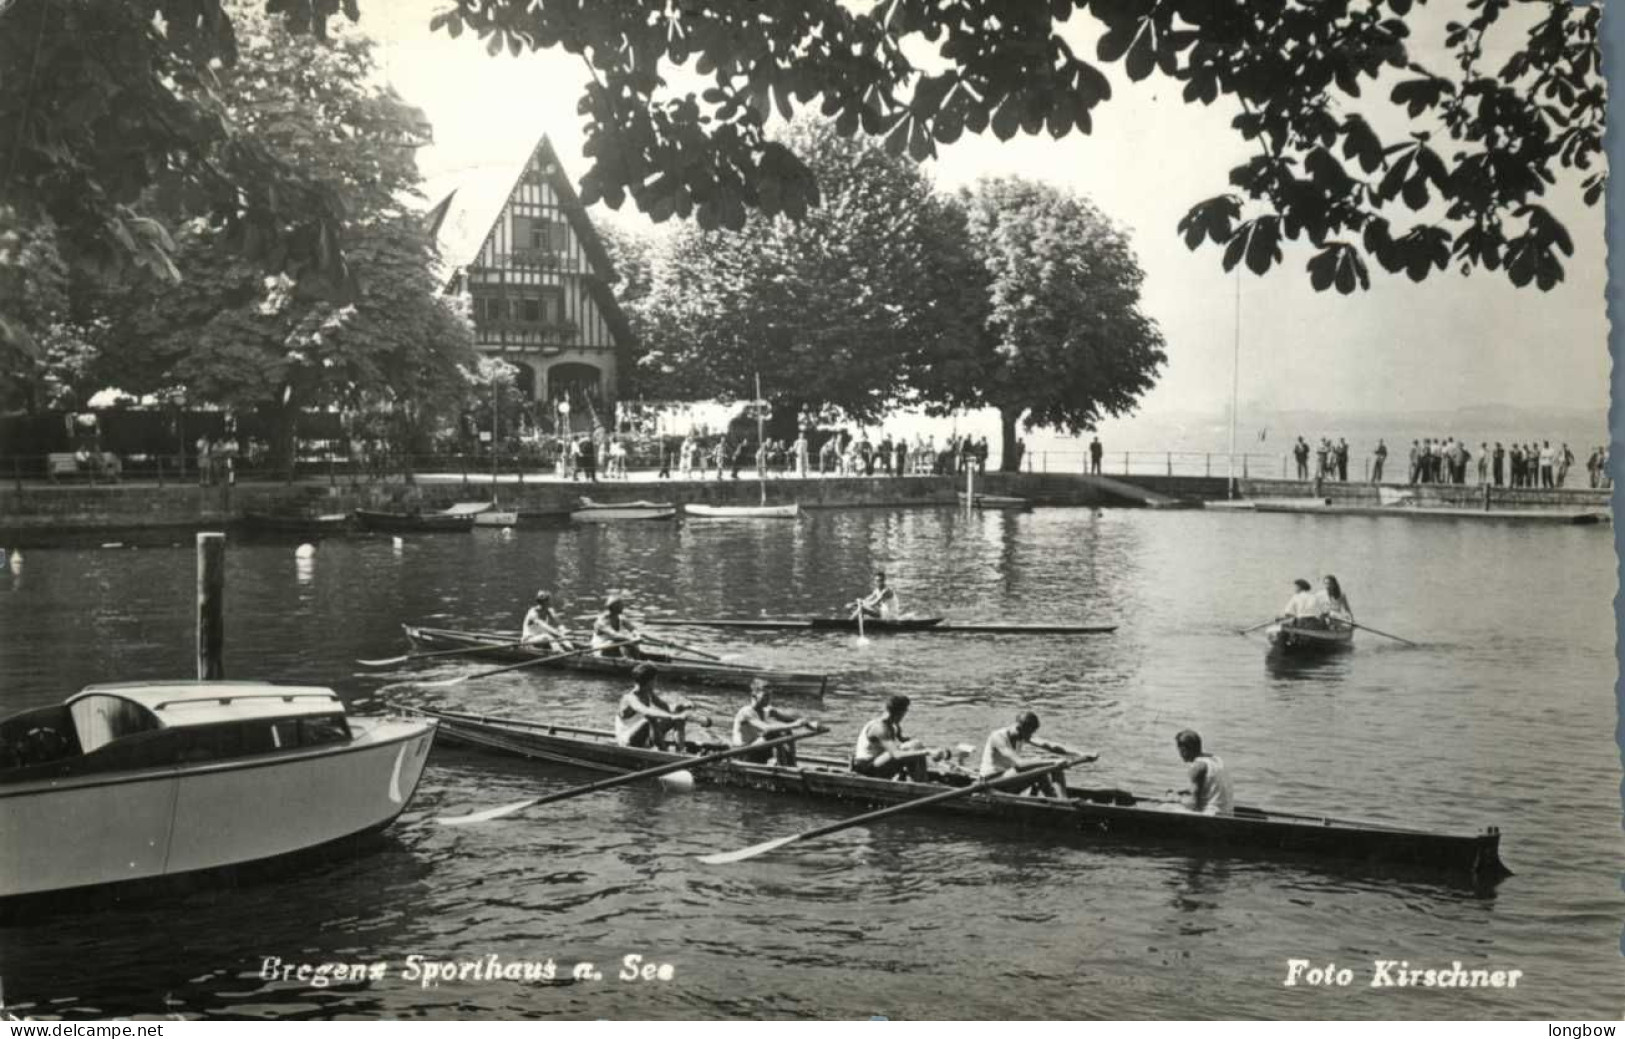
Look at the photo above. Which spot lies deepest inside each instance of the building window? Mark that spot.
(531, 234)
(530, 309)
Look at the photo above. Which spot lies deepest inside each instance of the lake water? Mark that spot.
(1504, 716)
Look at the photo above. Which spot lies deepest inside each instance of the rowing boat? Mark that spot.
(1089, 814)
(995, 501)
(1294, 640)
(932, 625)
(742, 511)
(500, 646)
(450, 521)
(590, 511)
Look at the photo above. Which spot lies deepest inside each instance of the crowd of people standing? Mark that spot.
(1448, 460)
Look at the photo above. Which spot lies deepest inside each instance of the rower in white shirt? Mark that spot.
(1302, 605)
(882, 602)
(542, 626)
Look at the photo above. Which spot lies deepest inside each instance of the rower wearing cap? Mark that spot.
(759, 720)
(542, 626)
(1007, 752)
(881, 603)
(644, 719)
(883, 752)
(611, 629)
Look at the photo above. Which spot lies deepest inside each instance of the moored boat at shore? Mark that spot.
(742, 511)
(142, 781)
(590, 511)
(995, 501)
(1093, 815)
(501, 646)
(452, 521)
(302, 524)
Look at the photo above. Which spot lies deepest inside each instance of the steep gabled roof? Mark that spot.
(464, 219)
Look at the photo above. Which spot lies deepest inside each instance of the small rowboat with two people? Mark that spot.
(700, 511)
(500, 646)
(590, 511)
(1091, 815)
(1309, 637)
(141, 781)
(455, 520)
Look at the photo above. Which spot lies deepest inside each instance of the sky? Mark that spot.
(1451, 342)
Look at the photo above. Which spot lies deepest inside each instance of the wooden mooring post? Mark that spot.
(211, 606)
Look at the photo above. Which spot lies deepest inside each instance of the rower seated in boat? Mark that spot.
(645, 719)
(542, 626)
(883, 752)
(1332, 605)
(1209, 792)
(611, 629)
(881, 603)
(1303, 609)
(1008, 751)
(759, 721)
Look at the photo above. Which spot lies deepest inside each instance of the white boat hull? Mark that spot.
(496, 519)
(742, 511)
(107, 828)
(612, 514)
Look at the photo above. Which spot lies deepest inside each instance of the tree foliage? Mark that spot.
(1484, 140)
(842, 309)
(232, 335)
(1064, 342)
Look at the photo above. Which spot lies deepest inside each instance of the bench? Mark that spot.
(66, 463)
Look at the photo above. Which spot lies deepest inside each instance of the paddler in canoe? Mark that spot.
(542, 626)
(759, 721)
(881, 603)
(644, 719)
(611, 628)
(1008, 751)
(883, 752)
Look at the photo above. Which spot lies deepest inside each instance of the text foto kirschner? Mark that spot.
(1399, 974)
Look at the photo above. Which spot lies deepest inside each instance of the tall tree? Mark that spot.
(836, 311)
(1485, 139)
(234, 337)
(1065, 342)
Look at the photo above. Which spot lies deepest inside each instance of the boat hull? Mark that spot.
(414, 523)
(698, 672)
(742, 511)
(122, 827)
(995, 501)
(308, 526)
(1288, 641)
(618, 514)
(1091, 814)
(496, 519)
(933, 625)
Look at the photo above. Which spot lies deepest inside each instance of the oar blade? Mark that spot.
(725, 857)
(486, 816)
(386, 662)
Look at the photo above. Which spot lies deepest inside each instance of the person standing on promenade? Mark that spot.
(901, 461)
(1496, 461)
(1516, 457)
(720, 455)
(1342, 460)
(1097, 452)
(1547, 461)
(1379, 456)
(1300, 454)
(884, 450)
(1565, 461)
(801, 454)
(1483, 463)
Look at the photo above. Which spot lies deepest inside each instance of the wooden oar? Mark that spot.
(391, 661)
(679, 645)
(990, 783)
(858, 613)
(1255, 627)
(514, 667)
(1384, 634)
(630, 777)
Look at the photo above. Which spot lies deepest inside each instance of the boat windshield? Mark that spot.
(101, 719)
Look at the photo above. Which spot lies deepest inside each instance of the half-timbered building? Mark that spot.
(520, 243)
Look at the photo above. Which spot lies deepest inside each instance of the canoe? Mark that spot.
(143, 781)
(995, 501)
(1090, 815)
(415, 522)
(742, 511)
(1292, 641)
(672, 668)
(312, 525)
(925, 625)
(590, 511)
